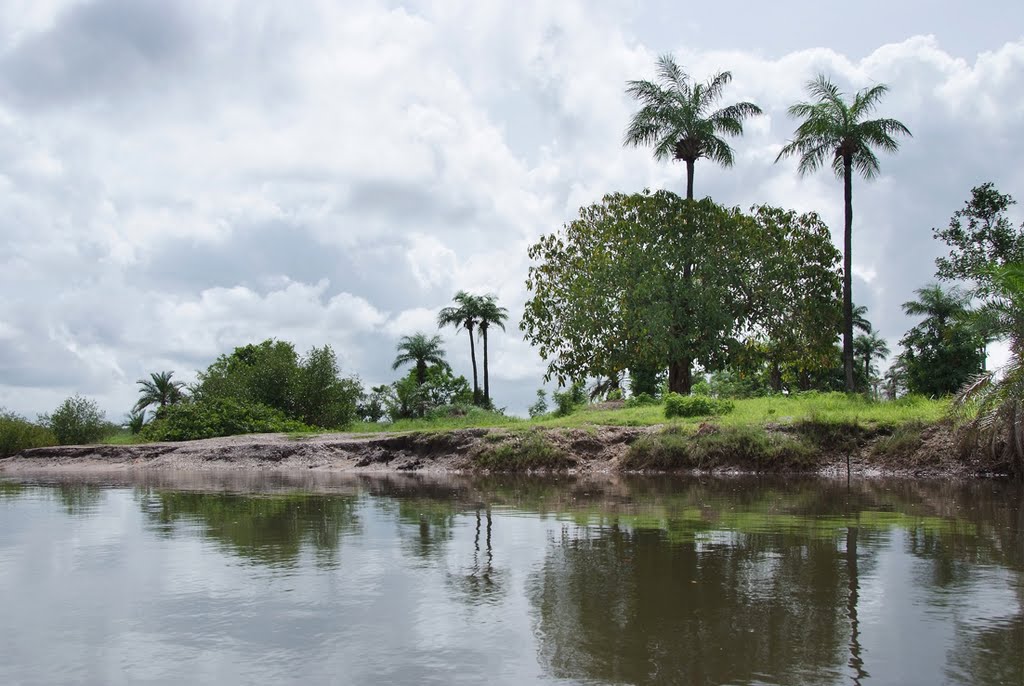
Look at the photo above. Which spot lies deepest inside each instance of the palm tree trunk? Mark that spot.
(472, 356)
(689, 179)
(847, 274)
(487, 380)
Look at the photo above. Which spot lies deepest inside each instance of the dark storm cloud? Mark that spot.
(97, 50)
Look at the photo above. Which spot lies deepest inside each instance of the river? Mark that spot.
(319, 578)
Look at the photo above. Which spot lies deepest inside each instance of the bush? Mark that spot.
(540, 407)
(78, 420)
(218, 417)
(641, 399)
(744, 447)
(17, 434)
(694, 406)
(528, 453)
(568, 400)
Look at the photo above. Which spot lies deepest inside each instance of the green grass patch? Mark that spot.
(525, 452)
(742, 447)
(904, 441)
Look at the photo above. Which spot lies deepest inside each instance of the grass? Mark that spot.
(523, 452)
(746, 447)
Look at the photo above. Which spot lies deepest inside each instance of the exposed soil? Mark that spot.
(593, 450)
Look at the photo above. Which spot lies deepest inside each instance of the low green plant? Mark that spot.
(218, 417)
(741, 447)
(695, 406)
(540, 407)
(641, 400)
(17, 434)
(525, 452)
(568, 400)
(903, 441)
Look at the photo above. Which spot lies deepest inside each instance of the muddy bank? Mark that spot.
(593, 450)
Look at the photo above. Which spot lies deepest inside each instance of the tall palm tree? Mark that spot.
(676, 117)
(489, 314)
(860, 319)
(838, 132)
(159, 390)
(420, 351)
(464, 315)
(870, 347)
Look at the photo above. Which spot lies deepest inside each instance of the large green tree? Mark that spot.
(869, 347)
(838, 133)
(465, 314)
(490, 314)
(632, 284)
(677, 118)
(159, 390)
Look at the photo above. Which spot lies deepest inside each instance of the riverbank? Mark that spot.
(913, 449)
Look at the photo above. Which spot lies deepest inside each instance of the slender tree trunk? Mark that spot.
(472, 356)
(680, 378)
(847, 274)
(487, 379)
(689, 179)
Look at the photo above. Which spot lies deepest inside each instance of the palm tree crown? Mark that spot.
(676, 117)
(870, 347)
(938, 304)
(464, 314)
(420, 351)
(159, 390)
(836, 132)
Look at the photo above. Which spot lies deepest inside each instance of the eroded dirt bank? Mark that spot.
(586, 451)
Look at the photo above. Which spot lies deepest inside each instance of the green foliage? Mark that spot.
(421, 352)
(641, 400)
(17, 434)
(529, 452)
(77, 421)
(135, 421)
(981, 238)
(944, 351)
(540, 407)
(745, 447)
(567, 401)
(212, 417)
(727, 383)
(372, 407)
(902, 442)
(159, 390)
(645, 379)
(310, 390)
(676, 117)
(695, 406)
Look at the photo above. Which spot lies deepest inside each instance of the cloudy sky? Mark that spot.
(178, 178)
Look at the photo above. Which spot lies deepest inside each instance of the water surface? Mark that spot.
(334, 579)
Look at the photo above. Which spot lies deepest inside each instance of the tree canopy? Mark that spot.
(634, 282)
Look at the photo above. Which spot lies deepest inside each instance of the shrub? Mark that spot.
(78, 420)
(17, 434)
(218, 417)
(568, 400)
(524, 453)
(641, 399)
(540, 407)
(614, 394)
(743, 447)
(694, 406)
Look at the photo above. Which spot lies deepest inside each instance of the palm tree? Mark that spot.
(675, 118)
(870, 347)
(489, 314)
(833, 128)
(939, 305)
(464, 315)
(421, 351)
(159, 390)
(860, 319)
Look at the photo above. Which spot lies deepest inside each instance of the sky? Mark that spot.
(180, 178)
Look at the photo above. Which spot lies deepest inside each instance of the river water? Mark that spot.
(229, 578)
